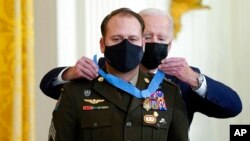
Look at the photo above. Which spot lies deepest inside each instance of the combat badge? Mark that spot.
(150, 119)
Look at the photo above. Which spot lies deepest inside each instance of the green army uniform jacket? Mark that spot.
(97, 111)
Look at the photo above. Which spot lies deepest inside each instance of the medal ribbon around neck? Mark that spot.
(129, 88)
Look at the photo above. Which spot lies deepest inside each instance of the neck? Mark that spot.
(127, 76)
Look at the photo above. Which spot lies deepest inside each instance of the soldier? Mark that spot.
(98, 111)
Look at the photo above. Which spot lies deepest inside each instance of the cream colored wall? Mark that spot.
(45, 59)
(217, 41)
(214, 40)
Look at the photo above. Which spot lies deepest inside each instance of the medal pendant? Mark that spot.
(146, 104)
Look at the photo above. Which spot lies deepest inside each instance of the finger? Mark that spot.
(87, 66)
(92, 64)
(88, 71)
(169, 72)
(86, 76)
(170, 65)
(172, 69)
(172, 59)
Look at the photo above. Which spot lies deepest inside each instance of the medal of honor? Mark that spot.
(146, 104)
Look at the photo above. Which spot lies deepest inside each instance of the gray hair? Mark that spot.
(158, 12)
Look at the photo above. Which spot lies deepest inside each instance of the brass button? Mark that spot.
(100, 79)
(146, 80)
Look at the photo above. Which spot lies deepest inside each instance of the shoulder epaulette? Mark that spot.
(169, 81)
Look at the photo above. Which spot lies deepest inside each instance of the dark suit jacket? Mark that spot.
(123, 120)
(220, 101)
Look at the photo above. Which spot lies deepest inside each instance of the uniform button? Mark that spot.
(95, 124)
(158, 125)
(100, 79)
(146, 80)
(128, 124)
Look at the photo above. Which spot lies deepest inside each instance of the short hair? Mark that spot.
(125, 12)
(157, 12)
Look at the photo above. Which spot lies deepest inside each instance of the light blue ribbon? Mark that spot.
(129, 88)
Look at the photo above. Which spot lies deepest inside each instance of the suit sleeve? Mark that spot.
(220, 101)
(46, 84)
(225, 102)
(179, 127)
(63, 125)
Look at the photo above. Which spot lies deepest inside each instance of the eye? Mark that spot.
(162, 38)
(133, 39)
(117, 39)
(148, 37)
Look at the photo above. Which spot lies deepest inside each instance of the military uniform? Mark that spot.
(97, 111)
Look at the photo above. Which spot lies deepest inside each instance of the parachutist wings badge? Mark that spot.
(94, 101)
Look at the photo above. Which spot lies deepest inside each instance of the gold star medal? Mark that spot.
(146, 104)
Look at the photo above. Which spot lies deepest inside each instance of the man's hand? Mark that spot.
(84, 68)
(179, 68)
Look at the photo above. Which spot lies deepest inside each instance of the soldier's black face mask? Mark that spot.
(123, 56)
(154, 53)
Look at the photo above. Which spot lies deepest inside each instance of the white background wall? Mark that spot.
(215, 40)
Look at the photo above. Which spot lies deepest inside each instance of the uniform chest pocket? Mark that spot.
(96, 124)
(96, 118)
(156, 119)
(155, 125)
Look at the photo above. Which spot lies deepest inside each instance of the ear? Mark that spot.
(102, 45)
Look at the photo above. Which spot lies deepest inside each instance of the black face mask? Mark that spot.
(123, 56)
(154, 53)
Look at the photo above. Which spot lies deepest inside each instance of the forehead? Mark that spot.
(126, 24)
(157, 24)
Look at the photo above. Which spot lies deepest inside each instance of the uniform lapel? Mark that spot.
(141, 85)
(110, 93)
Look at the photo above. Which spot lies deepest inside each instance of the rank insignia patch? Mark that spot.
(87, 93)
